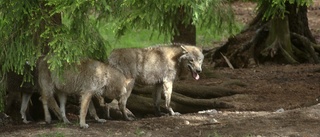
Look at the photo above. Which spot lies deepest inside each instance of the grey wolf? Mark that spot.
(89, 78)
(24, 90)
(159, 66)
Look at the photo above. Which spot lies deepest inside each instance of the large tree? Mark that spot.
(279, 33)
(66, 30)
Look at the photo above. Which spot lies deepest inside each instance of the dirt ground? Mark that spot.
(278, 100)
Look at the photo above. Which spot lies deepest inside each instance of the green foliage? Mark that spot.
(29, 27)
(162, 15)
(277, 8)
(17, 18)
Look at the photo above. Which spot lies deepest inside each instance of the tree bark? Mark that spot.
(185, 31)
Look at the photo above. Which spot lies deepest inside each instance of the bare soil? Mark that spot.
(277, 100)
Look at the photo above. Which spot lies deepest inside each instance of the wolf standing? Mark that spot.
(90, 78)
(157, 66)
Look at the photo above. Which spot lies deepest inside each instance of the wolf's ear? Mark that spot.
(184, 56)
(184, 49)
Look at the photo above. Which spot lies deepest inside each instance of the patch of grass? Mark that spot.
(55, 134)
(146, 37)
(132, 38)
(61, 125)
(139, 132)
(207, 36)
(215, 134)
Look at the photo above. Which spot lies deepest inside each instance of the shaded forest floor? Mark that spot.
(278, 100)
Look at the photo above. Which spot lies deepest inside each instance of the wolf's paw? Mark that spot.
(84, 126)
(26, 121)
(66, 121)
(176, 114)
(48, 121)
(160, 114)
(129, 119)
(101, 120)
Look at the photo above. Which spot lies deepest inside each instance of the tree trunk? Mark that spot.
(278, 40)
(185, 32)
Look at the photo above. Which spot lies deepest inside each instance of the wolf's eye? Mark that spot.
(191, 61)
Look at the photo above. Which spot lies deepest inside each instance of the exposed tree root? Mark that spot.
(194, 91)
(185, 98)
(142, 105)
(271, 40)
(310, 46)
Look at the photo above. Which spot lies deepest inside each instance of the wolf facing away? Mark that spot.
(90, 78)
(157, 66)
(16, 91)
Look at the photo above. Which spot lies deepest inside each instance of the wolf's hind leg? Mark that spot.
(104, 104)
(24, 105)
(53, 106)
(47, 115)
(156, 99)
(63, 100)
(93, 113)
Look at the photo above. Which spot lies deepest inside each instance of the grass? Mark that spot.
(139, 132)
(61, 125)
(207, 36)
(132, 38)
(144, 37)
(55, 134)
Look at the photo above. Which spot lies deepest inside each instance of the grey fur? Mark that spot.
(90, 78)
(157, 66)
(52, 104)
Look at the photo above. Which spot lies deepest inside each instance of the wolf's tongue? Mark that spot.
(195, 76)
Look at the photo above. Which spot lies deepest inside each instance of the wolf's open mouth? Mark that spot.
(195, 75)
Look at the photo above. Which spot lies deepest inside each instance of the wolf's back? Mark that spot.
(146, 65)
(126, 60)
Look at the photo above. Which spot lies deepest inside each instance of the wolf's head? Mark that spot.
(193, 57)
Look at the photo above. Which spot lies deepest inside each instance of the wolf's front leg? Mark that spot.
(123, 103)
(85, 101)
(167, 89)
